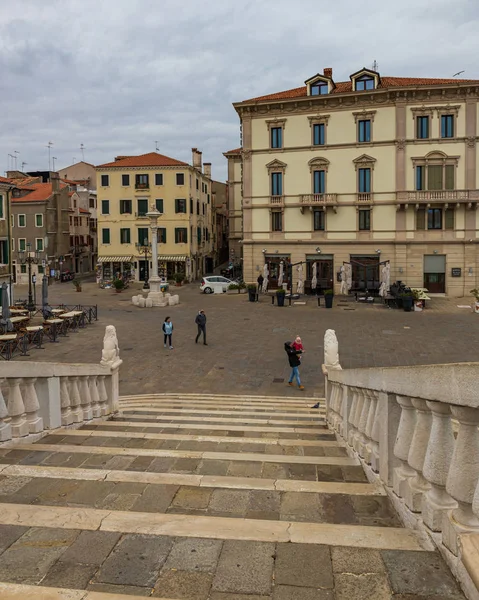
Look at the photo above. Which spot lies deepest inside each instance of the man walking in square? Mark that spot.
(201, 322)
(294, 359)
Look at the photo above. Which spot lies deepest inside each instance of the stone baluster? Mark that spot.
(418, 485)
(352, 415)
(405, 432)
(95, 397)
(437, 462)
(85, 399)
(65, 402)
(75, 400)
(339, 409)
(333, 405)
(373, 404)
(374, 454)
(5, 421)
(103, 395)
(16, 408)
(31, 404)
(462, 477)
(360, 438)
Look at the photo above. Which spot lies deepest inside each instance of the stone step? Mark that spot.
(212, 419)
(219, 528)
(255, 408)
(227, 456)
(154, 409)
(191, 480)
(219, 427)
(19, 591)
(223, 398)
(97, 431)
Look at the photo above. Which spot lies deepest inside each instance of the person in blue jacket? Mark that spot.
(168, 331)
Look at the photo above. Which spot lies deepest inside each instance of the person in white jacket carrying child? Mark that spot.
(168, 331)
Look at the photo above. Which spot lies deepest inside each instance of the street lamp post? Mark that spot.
(145, 249)
(155, 282)
(29, 258)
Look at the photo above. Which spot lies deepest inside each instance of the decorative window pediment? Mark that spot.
(318, 164)
(276, 123)
(317, 119)
(364, 115)
(319, 85)
(276, 165)
(365, 80)
(364, 162)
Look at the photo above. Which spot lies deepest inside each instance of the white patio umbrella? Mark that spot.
(344, 285)
(314, 278)
(300, 284)
(264, 288)
(281, 274)
(385, 280)
(349, 277)
(6, 314)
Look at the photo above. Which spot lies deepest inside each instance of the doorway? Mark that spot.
(435, 273)
(324, 273)
(365, 273)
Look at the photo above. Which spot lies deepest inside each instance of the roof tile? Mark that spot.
(152, 159)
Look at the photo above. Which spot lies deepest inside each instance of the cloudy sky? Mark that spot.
(119, 75)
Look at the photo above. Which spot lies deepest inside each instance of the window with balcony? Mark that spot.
(364, 181)
(277, 220)
(180, 179)
(125, 180)
(159, 205)
(125, 235)
(22, 220)
(143, 235)
(319, 182)
(422, 128)
(276, 184)
(126, 207)
(364, 130)
(364, 83)
(162, 235)
(181, 235)
(435, 177)
(105, 180)
(158, 178)
(39, 220)
(142, 204)
(364, 219)
(39, 244)
(105, 235)
(319, 88)
(319, 134)
(142, 181)
(276, 137)
(180, 205)
(447, 126)
(434, 218)
(105, 207)
(319, 220)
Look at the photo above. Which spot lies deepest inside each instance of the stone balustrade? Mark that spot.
(38, 397)
(416, 430)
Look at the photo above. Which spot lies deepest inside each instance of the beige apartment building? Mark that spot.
(127, 188)
(235, 205)
(6, 270)
(364, 171)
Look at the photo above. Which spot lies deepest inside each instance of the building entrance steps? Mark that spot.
(198, 500)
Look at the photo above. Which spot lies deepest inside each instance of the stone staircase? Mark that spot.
(205, 497)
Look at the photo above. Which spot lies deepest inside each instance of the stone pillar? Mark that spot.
(32, 406)
(75, 400)
(102, 395)
(154, 280)
(5, 421)
(371, 447)
(462, 478)
(417, 485)
(357, 418)
(405, 432)
(363, 420)
(436, 466)
(65, 403)
(85, 399)
(352, 415)
(16, 408)
(95, 397)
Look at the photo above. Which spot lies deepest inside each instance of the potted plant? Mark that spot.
(407, 301)
(118, 284)
(252, 292)
(77, 284)
(232, 288)
(328, 298)
(475, 293)
(418, 301)
(241, 287)
(179, 277)
(280, 295)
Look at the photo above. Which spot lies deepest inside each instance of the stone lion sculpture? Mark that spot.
(331, 350)
(110, 354)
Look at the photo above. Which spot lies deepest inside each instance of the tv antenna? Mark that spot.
(24, 164)
(49, 146)
(12, 157)
(458, 73)
(156, 146)
(82, 148)
(54, 158)
(16, 153)
(375, 65)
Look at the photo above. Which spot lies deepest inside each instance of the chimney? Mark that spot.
(328, 73)
(207, 169)
(196, 158)
(55, 181)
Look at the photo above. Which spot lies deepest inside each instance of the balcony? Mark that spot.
(444, 197)
(141, 215)
(278, 200)
(142, 186)
(322, 200)
(364, 198)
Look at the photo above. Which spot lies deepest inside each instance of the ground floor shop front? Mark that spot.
(451, 269)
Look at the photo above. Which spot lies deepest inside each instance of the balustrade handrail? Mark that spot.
(45, 369)
(454, 383)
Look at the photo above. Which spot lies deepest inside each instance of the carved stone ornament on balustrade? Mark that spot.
(404, 436)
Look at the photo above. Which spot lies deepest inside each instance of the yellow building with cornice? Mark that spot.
(127, 188)
(365, 171)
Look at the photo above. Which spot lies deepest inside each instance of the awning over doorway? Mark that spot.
(106, 259)
(172, 258)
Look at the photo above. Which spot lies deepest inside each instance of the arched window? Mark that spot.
(319, 88)
(365, 82)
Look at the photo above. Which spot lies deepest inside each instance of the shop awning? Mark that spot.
(173, 258)
(107, 259)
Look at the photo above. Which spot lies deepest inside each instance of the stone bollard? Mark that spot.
(141, 302)
(149, 303)
(177, 299)
(134, 300)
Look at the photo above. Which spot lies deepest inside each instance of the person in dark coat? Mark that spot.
(201, 322)
(294, 362)
(260, 281)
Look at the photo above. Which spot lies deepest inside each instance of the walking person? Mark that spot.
(167, 332)
(260, 281)
(201, 322)
(294, 357)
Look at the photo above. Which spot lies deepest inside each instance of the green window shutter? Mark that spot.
(450, 185)
(159, 205)
(106, 236)
(142, 235)
(434, 177)
(421, 219)
(449, 218)
(142, 207)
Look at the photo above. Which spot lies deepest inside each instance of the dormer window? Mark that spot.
(319, 88)
(366, 82)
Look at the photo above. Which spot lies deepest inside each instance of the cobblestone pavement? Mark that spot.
(205, 498)
(245, 340)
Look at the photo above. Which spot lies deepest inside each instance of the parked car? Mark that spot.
(210, 283)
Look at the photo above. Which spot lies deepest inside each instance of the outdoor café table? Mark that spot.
(10, 343)
(18, 312)
(17, 322)
(57, 311)
(35, 335)
(53, 327)
(75, 318)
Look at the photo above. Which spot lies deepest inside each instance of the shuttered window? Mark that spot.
(421, 219)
